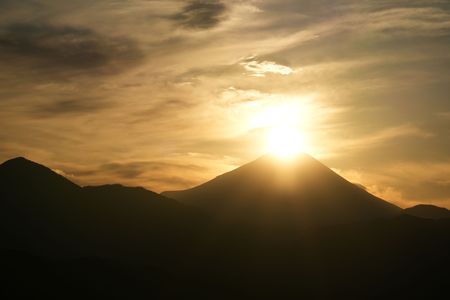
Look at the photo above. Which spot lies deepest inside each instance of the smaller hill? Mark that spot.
(427, 211)
(43, 212)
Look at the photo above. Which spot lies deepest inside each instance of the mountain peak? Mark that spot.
(296, 191)
(21, 170)
(269, 162)
(22, 164)
(281, 160)
(300, 160)
(18, 160)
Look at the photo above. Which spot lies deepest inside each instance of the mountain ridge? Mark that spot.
(44, 212)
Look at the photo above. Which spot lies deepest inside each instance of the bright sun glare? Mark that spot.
(284, 142)
(284, 139)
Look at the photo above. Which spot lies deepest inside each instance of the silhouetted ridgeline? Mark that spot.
(261, 231)
(428, 212)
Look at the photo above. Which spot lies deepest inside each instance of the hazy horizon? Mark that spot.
(169, 94)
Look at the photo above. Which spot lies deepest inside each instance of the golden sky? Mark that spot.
(168, 94)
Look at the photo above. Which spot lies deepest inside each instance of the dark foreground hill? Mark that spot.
(428, 211)
(299, 193)
(60, 240)
(43, 212)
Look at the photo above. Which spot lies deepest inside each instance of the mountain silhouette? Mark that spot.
(299, 192)
(60, 240)
(41, 211)
(427, 211)
(27, 177)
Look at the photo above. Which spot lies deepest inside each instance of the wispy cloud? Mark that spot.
(444, 115)
(261, 68)
(406, 183)
(386, 135)
(155, 175)
(410, 21)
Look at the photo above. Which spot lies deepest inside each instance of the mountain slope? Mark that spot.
(428, 212)
(302, 192)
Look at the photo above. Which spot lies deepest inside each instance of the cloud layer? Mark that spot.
(64, 49)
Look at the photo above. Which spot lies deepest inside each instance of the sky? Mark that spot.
(169, 94)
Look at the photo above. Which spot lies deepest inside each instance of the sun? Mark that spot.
(284, 142)
(284, 124)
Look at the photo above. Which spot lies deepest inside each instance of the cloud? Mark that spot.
(261, 68)
(64, 49)
(136, 168)
(444, 115)
(236, 146)
(201, 14)
(154, 175)
(424, 179)
(386, 135)
(68, 107)
(411, 21)
(405, 183)
(371, 183)
(124, 170)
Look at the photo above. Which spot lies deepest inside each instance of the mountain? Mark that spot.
(24, 177)
(45, 213)
(301, 192)
(111, 241)
(428, 211)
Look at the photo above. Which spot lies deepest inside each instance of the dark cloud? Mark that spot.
(25, 3)
(201, 14)
(141, 173)
(68, 107)
(151, 174)
(126, 170)
(137, 168)
(66, 48)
